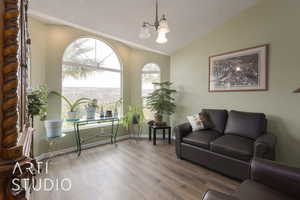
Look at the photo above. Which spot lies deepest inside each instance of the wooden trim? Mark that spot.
(1, 64)
(267, 46)
(10, 82)
(13, 88)
(23, 66)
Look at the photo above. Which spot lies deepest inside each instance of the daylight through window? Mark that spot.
(91, 69)
(150, 75)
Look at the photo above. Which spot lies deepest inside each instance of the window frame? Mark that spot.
(149, 72)
(103, 68)
(141, 84)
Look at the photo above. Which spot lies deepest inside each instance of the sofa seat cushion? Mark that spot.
(234, 146)
(201, 138)
(250, 190)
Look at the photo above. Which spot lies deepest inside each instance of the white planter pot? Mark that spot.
(90, 112)
(116, 113)
(53, 128)
(72, 115)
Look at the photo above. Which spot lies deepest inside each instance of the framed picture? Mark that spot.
(242, 70)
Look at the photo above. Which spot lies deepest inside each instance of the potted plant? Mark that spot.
(91, 108)
(102, 113)
(117, 107)
(37, 102)
(38, 105)
(161, 101)
(72, 114)
(133, 117)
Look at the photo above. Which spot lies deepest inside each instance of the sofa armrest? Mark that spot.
(264, 146)
(214, 195)
(181, 131)
(277, 176)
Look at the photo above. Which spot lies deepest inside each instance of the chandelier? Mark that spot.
(160, 25)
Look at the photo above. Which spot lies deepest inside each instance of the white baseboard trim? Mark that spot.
(146, 137)
(53, 154)
(49, 155)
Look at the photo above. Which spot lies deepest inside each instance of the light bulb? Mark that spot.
(161, 38)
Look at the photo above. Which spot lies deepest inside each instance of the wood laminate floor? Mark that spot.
(132, 171)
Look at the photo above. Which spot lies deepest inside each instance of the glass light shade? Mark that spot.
(163, 26)
(161, 38)
(145, 33)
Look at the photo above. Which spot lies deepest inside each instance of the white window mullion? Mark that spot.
(91, 66)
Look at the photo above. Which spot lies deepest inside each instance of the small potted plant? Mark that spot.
(37, 102)
(102, 113)
(133, 117)
(91, 108)
(117, 107)
(38, 105)
(73, 106)
(161, 101)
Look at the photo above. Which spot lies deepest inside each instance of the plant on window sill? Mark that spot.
(91, 108)
(72, 105)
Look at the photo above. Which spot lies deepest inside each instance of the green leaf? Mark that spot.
(161, 100)
(72, 106)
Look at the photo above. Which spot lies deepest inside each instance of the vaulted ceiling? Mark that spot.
(122, 19)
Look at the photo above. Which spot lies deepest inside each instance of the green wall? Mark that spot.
(48, 45)
(274, 22)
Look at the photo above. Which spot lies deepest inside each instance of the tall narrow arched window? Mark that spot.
(91, 69)
(150, 75)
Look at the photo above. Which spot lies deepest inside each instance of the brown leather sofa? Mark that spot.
(228, 147)
(269, 181)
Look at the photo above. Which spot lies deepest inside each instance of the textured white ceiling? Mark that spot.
(121, 19)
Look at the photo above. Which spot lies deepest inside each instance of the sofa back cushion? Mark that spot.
(251, 125)
(217, 119)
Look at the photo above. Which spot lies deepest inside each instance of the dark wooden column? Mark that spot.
(1, 65)
(10, 68)
(13, 83)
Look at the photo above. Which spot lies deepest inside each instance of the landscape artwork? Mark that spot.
(242, 70)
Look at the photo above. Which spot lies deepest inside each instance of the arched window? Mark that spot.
(91, 69)
(150, 75)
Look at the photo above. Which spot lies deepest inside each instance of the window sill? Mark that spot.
(89, 126)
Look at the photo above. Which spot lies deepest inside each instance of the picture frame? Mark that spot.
(241, 70)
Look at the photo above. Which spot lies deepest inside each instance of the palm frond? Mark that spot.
(79, 102)
(161, 100)
(63, 97)
(72, 106)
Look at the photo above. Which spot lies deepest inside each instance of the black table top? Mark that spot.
(159, 127)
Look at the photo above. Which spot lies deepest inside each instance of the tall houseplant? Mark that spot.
(72, 105)
(133, 117)
(161, 101)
